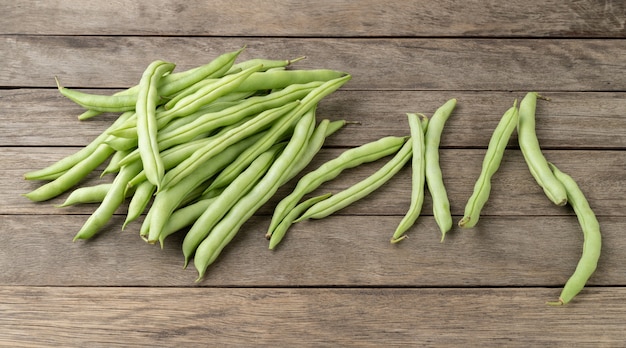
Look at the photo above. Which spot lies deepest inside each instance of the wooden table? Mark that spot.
(336, 281)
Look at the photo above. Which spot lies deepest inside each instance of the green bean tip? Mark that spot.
(560, 302)
(399, 239)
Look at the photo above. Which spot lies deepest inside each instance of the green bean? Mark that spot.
(204, 96)
(100, 103)
(531, 150)
(225, 230)
(120, 144)
(491, 163)
(114, 198)
(361, 189)
(249, 107)
(279, 232)
(171, 83)
(72, 176)
(87, 194)
(434, 179)
(146, 121)
(241, 185)
(592, 243)
(174, 83)
(267, 63)
(55, 170)
(168, 199)
(234, 135)
(140, 200)
(418, 176)
(184, 217)
(278, 79)
(114, 163)
(368, 152)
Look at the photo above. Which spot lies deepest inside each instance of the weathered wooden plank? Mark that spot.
(166, 317)
(376, 64)
(337, 251)
(514, 191)
(364, 18)
(42, 117)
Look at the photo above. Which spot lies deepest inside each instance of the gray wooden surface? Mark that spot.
(336, 281)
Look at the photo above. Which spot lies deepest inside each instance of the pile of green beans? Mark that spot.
(199, 150)
(202, 150)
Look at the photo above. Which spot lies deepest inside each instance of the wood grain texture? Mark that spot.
(336, 281)
(347, 251)
(589, 120)
(376, 64)
(145, 317)
(364, 18)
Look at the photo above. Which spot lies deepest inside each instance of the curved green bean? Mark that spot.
(56, 169)
(279, 232)
(241, 185)
(491, 163)
(87, 194)
(146, 121)
(434, 178)
(99, 103)
(531, 150)
(168, 199)
(592, 243)
(361, 189)
(114, 198)
(72, 176)
(225, 230)
(205, 153)
(139, 201)
(418, 176)
(368, 152)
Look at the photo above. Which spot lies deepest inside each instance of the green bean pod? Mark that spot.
(365, 153)
(175, 82)
(87, 194)
(184, 217)
(234, 135)
(210, 93)
(139, 201)
(170, 198)
(279, 232)
(241, 185)
(251, 106)
(99, 103)
(267, 63)
(114, 198)
(434, 178)
(72, 176)
(491, 163)
(592, 243)
(225, 230)
(418, 176)
(56, 169)
(361, 189)
(531, 150)
(146, 121)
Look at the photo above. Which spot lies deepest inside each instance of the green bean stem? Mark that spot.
(418, 176)
(434, 178)
(531, 150)
(592, 243)
(493, 157)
